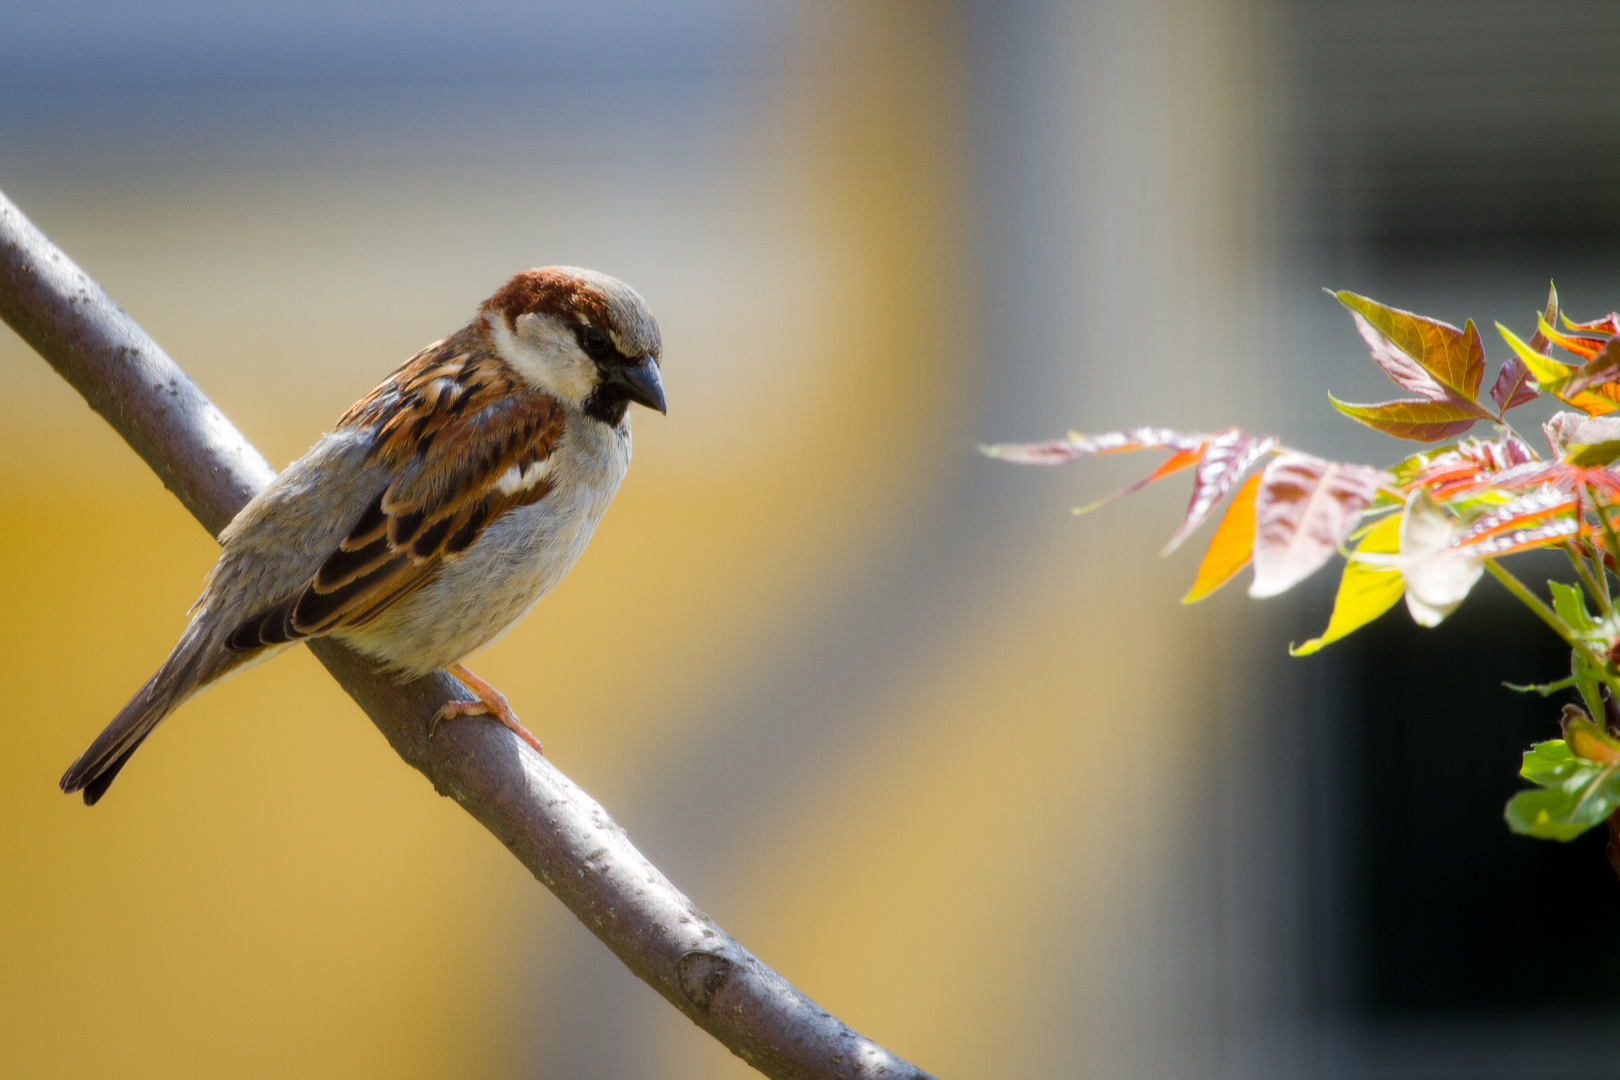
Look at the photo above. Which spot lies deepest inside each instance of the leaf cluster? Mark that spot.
(1428, 527)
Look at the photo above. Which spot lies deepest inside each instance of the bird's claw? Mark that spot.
(489, 702)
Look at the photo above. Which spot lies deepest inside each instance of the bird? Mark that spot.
(436, 513)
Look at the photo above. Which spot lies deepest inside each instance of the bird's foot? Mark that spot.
(490, 702)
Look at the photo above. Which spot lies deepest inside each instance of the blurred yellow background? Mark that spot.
(939, 752)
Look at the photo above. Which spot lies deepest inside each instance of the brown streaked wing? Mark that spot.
(449, 424)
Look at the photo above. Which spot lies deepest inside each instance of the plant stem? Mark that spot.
(1511, 430)
(1598, 663)
(1600, 596)
(1609, 536)
(1545, 613)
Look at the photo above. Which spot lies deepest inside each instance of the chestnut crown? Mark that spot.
(582, 336)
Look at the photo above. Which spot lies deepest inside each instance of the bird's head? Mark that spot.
(583, 337)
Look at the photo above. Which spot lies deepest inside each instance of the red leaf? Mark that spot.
(1304, 510)
(1229, 456)
(1425, 356)
(1563, 475)
(1609, 324)
(1519, 514)
(1548, 533)
(1470, 465)
(1047, 452)
(1405, 370)
(1603, 368)
(1538, 341)
(1582, 345)
(1445, 486)
(1420, 421)
(1514, 386)
(1075, 447)
(1497, 454)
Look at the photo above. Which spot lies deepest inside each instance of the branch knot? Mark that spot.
(702, 974)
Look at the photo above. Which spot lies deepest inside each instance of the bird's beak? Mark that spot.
(642, 382)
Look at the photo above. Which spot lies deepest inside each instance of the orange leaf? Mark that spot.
(1181, 459)
(1598, 401)
(1425, 356)
(1579, 344)
(1586, 740)
(1232, 547)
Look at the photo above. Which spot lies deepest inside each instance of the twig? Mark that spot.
(1608, 532)
(1600, 595)
(1545, 614)
(555, 829)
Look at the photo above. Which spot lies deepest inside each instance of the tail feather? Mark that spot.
(97, 787)
(197, 661)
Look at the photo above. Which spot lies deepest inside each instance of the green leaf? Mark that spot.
(1589, 681)
(1570, 604)
(1539, 341)
(1594, 454)
(1552, 814)
(1579, 778)
(1575, 794)
(1549, 763)
(1365, 591)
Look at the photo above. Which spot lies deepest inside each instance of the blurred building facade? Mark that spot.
(952, 760)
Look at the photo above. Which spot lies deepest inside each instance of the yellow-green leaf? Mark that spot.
(1365, 591)
(1548, 372)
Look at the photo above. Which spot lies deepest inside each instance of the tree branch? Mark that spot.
(555, 829)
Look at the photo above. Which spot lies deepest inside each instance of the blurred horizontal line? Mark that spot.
(466, 125)
(341, 42)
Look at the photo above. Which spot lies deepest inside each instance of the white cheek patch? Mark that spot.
(545, 353)
(515, 479)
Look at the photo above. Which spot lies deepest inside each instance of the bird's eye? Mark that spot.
(596, 343)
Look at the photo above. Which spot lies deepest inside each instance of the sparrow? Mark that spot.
(442, 507)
